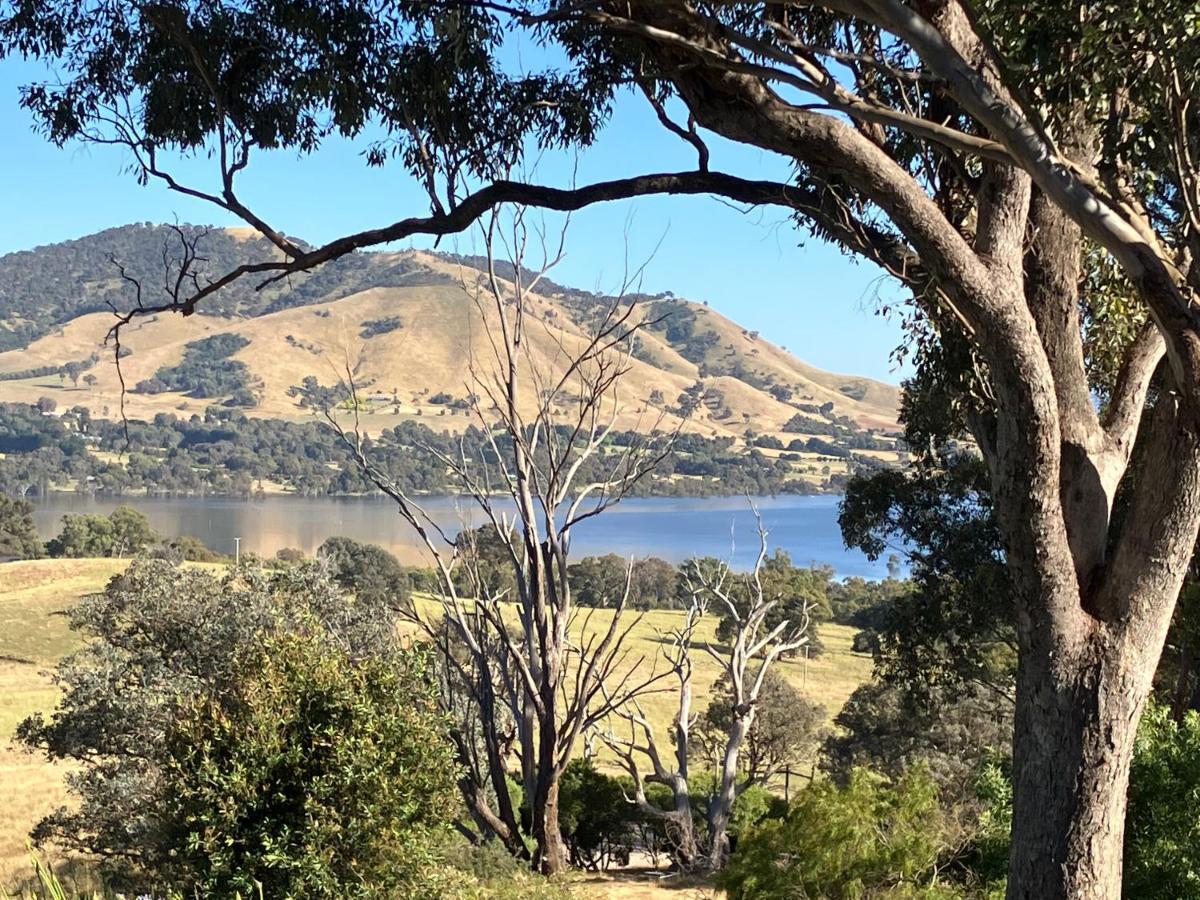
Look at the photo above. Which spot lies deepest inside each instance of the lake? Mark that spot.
(672, 528)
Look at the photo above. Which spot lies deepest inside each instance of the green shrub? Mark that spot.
(595, 817)
(320, 777)
(18, 533)
(870, 838)
(493, 873)
(159, 640)
(1162, 831)
(123, 532)
(370, 572)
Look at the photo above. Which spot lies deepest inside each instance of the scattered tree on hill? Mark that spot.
(372, 327)
(206, 371)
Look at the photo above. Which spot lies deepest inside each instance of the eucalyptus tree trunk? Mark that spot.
(1076, 726)
(722, 807)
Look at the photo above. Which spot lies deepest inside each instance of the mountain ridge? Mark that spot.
(403, 320)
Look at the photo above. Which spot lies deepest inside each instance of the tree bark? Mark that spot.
(1086, 669)
(1074, 732)
(550, 857)
(722, 807)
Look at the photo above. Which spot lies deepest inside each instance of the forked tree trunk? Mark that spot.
(722, 809)
(1085, 673)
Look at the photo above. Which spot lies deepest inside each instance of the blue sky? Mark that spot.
(753, 266)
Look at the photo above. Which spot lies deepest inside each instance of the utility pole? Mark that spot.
(237, 551)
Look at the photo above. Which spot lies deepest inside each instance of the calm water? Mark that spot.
(672, 528)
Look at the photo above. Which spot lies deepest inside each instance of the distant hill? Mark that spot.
(404, 321)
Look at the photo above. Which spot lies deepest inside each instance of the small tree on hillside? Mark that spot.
(123, 532)
(159, 639)
(784, 733)
(317, 776)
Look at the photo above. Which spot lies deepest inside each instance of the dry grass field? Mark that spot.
(34, 635)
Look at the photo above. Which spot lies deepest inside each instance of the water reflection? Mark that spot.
(673, 528)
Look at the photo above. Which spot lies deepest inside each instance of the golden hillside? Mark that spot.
(441, 329)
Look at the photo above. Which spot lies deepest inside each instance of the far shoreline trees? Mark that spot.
(224, 452)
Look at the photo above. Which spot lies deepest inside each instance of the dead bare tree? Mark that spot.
(526, 676)
(745, 663)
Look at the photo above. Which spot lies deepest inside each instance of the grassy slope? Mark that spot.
(34, 634)
(421, 359)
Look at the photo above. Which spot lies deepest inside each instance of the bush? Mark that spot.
(320, 776)
(369, 571)
(785, 730)
(596, 819)
(496, 875)
(870, 838)
(193, 549)
(123, 532)
(1162, 832)
(949, 732)
(158, 640)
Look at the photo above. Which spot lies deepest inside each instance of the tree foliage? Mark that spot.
(224, 451)
(785, 730)
(123, 532)
(370, 572)
(956, 623)
(948, 732)
(18, 534)
(317, 775)
(869, 838)
(159, 639)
